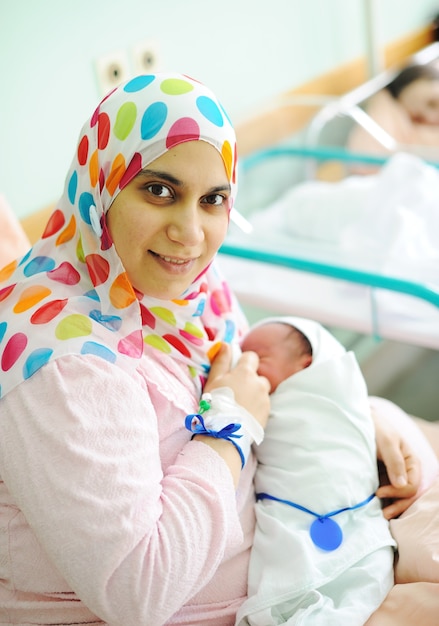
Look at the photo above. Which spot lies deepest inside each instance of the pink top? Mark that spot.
(81, 431)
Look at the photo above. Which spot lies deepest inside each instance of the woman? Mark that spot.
(408, 110)
(417, 89)
(111, 510)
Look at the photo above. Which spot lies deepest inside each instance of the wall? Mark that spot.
(248, 51)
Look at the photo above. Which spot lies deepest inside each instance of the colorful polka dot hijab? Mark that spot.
(70, 294)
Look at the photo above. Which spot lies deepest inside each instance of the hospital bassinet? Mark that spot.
(286, 273)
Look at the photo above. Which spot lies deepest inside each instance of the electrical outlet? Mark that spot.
(111, 70)
(145, 57)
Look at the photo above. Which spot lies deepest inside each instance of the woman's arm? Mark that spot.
(250, 391)
(135, 527)
(409, 604)
(431, 432)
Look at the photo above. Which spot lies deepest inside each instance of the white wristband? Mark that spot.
(220, 416)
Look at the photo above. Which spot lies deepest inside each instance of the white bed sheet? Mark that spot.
(333, 302)
(387, 225)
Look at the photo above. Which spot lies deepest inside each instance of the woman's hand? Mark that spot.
(251, 391)
(402, 476)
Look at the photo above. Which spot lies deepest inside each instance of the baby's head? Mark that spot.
(283, 350)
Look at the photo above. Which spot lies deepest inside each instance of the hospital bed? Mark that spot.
(277, 272)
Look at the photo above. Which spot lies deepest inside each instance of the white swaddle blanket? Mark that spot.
(318, 452)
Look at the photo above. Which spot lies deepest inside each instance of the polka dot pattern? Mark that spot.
(70, 294)
(153, 120)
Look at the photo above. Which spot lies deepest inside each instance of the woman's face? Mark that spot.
(169, 221)
(421, 100)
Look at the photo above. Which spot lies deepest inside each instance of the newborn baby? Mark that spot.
(322, 550)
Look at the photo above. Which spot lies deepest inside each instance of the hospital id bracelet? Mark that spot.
(221, 417)
(195, 423)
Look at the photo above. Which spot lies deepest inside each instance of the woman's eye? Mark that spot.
(215, 199)
(159, 190)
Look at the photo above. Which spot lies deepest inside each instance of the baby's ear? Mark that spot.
(306, 360)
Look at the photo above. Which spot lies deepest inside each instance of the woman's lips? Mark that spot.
(173, 264)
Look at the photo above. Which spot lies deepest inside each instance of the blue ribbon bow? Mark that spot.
(195, 423)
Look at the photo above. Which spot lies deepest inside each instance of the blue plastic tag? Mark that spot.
(326, 534)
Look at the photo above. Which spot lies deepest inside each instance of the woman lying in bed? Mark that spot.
(408, 110)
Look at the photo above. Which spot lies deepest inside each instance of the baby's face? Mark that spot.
(421, 99)
(280, 354)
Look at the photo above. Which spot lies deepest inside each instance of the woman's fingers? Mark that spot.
(404, 469)
(396, 508)
(404, 474)
(221, 363)
(250, 390)
(249, 361)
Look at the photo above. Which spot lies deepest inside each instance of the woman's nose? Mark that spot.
(186, 225)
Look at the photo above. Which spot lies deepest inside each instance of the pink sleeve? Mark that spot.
(417, 534)
(415, 597)
(79, 453)
(409, 605)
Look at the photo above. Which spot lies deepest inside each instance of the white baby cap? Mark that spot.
(324, 344)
